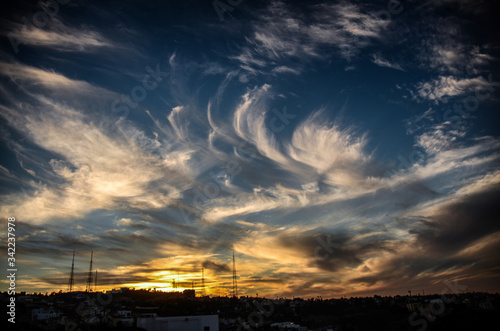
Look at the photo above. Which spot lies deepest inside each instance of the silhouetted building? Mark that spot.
(189, 294)
(179, 323)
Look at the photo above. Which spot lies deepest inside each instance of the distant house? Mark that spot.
(413, 306)
(41, 314)
(126, 317)
(287, 326)
(189, 294)
(125, 313)
(179, 323)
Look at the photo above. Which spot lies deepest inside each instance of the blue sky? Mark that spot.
(339, 147)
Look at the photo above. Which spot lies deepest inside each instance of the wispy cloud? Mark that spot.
(378, 60)
(92, 166)
(50, 79)
(61, 37)
(285, 69)
(283, 34)
(443, 87)
(450, 56)
(334, 153)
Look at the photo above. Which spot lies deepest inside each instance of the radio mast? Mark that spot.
(89, 277)
(71, 281)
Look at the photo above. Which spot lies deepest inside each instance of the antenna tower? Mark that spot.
(71, 282)
(203, 281)
(235, 283)
(89, 277)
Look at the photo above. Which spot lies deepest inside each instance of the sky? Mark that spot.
(339, 148)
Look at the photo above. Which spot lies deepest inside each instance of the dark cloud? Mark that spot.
(217, 267)
(331, 252)
(440, 243)
(104, 279)
(461, 223)
(405, 268)
(257, 279)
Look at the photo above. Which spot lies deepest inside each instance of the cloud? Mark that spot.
(455, 58)
(60, 37)
(308, 259)
(443, 156)
(420, 121)
(458, 59)
(378, 60)
(458, 224)
(92, 166)
(439, 138)
(443, 87)
(337, 154)
(448, 46)
(282, 33)
(285, 69)
(304, 156)
(35, 77)
(333, 252)
(249, 123)
(217, 267)
(127, 222)
(449, 242)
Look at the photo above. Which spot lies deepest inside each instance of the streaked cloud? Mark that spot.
(443, 87)
(38, 77)
(335, 153)
(281, 33)
(378, 60)
(60, 37)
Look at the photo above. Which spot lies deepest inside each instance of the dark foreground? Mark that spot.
(121, 309)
